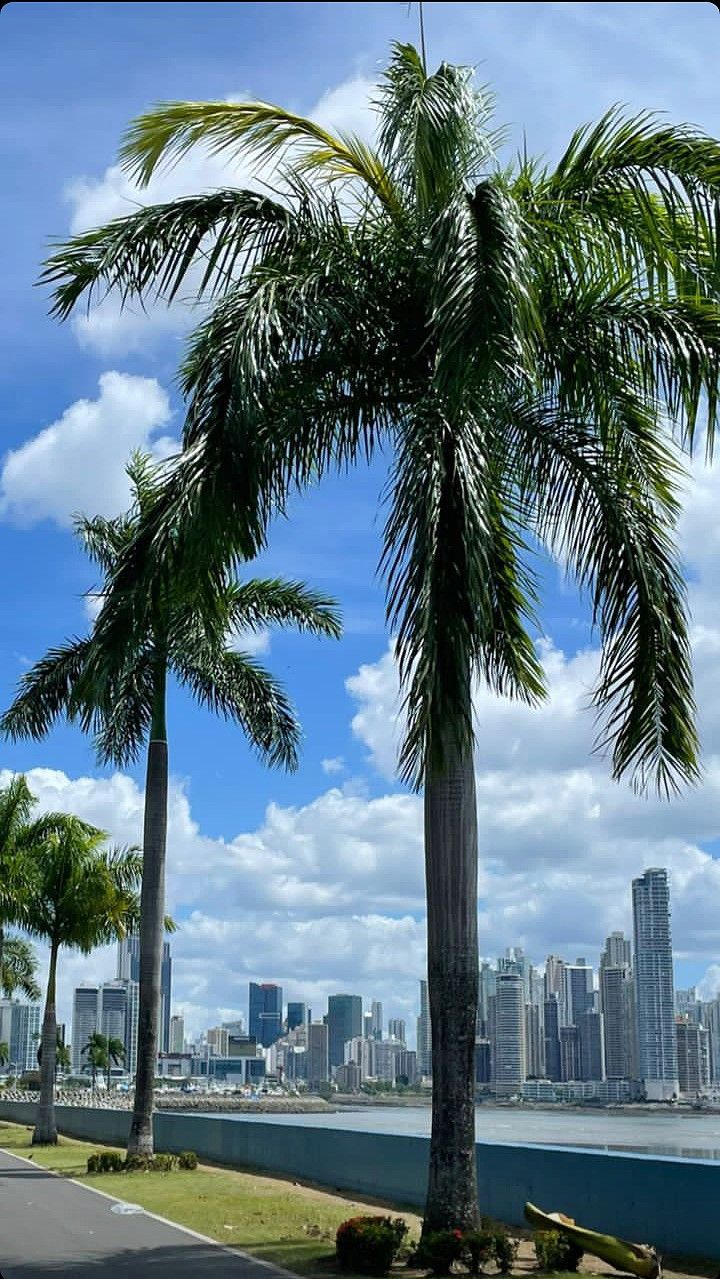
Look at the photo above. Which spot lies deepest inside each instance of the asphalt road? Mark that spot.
(49, 1226)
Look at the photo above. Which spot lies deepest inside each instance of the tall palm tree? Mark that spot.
(82, 896)
(537, 345)
(96, 1052)
(119, 693)
(19, 969)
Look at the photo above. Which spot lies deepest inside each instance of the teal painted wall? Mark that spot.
(671, 1203)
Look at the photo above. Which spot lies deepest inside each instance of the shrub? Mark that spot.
(554, 1251)
(438, 1249)
(369, 1245)
(505, 1250)
(137, 1163)
(163, 1163)
(93, 1163)
(110, 1161)
(188, 1160)
(478, 1248)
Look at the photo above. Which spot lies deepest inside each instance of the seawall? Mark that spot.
(668, 1202)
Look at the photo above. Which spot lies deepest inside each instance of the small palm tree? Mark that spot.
(115, 1056)
(96, 1052)
(82, 895)
(519, 337)
(18, 969)
(4, 1053)
(119, 693)
(63, 1059)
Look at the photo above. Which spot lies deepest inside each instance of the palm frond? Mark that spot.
(260, 129)
(151, 252)
(18, 969)
(262, 602)
(46, 692)
(238, 688)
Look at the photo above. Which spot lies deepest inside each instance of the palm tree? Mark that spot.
(537, 345)
(119, 693)
(19, 969)
(115, 1056)
(96, 1051)
(17, 835)
(4, 1053)
(82, 896)
(63, 1059)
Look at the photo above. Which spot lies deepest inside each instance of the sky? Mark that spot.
(315, 880)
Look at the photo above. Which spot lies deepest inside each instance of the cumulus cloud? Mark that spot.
(333, 765)
(78, 462)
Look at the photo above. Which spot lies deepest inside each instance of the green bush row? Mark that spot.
(440, 1249)
(113, 1161)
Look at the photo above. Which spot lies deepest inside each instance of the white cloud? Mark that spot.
(110, 330)
(333, 765)
(255, 643)
(78, 462)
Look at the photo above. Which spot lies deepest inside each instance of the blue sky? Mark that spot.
(315, 879)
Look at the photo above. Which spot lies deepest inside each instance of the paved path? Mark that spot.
(51, 1226)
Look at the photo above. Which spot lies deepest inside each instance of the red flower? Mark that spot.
(458, 1234)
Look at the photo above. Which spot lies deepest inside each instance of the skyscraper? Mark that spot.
(693, 1051)
(20, 1029)
(296, 1015)
(114, 1009)
(592, 1047)
(128, 969)
(577, 991)
(552, 1037)
(85, 1022)
(509, 1069)
(617, 1004)
(570, 1069)
(318, 1071)
(376, 1019)
(177, 1034)
(344, 1022)
(424, 1042)
(554, 984)
(396, 1029)
(655, 1004)
(265, 1013)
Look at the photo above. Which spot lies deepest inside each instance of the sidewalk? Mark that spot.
(50, 1225)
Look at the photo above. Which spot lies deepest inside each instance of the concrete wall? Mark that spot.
(671, 1203)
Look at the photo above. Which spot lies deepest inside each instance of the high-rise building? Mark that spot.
(617, 952)
(534, 1042)
(554, 981)
(367, 1025)
(424, 1041)
(617, 1002)
(131, 1027)
(128, 969)
(693, 1056)
(344, 1022)
(509, 1068)
(218, 1041)
(265, 1013)
(317, 1067)
(85, 1022)
(177, 1034)
(710, 1017)
(396, 1029)
(570, 1068)
(376, 1019)
(687, 1004)
(552, 1037)
(592, 1047)
(577, 991)
(655, 1003)
(486, 988)
(113, 1002)
(405, 1066)
(20, 1029)
(296, 1015)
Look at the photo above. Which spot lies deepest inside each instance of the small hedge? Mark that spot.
(113, 1161)
(554, 1251)
(369, 1245)
(438, 1250)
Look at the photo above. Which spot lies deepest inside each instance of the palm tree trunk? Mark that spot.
(45, 1133)
(451, 866)
(2, 958)
(152, 919)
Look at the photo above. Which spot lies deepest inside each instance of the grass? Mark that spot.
(291, 1225)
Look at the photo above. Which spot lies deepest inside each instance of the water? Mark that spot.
(682, 1135)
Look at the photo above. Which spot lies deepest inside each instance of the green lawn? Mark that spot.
(289, 1224)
